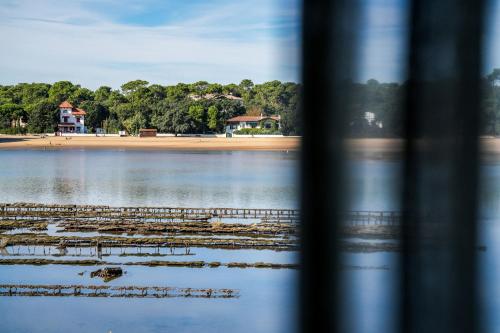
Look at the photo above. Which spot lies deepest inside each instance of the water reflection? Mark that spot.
(154, 178)
(113, 177)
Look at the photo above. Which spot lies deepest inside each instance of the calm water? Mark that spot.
(225, 179)
(149, 178)
(372, 295)
(154, 178)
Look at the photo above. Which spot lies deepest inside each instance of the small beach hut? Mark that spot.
(147, 132)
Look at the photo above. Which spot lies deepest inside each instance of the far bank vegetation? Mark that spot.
(200, 107)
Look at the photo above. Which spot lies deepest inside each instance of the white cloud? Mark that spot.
(47, 41)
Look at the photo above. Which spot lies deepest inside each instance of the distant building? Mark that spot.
(371, 120)
(370, 117)
(196, 97)
(19, 122)
(71, 119)
(241, 122)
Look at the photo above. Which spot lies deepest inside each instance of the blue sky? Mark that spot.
(109, 42)
(383, 31)
(383, 39)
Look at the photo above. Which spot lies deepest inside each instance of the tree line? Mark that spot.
(199, 107)
(386, 101)
(202, 107)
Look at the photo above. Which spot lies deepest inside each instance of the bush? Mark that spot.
(257, 131)
(13, 130)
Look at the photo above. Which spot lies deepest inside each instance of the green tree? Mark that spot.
(134, 123)
(115, 98)
(10, 112)
(229, 108)
(178, 92)
(214, 88)
(197, 114)
(232, 89)
(171, 118)
(7, 112)
(96, 114)
(136, 104)
(102, 94)
(61, 91)
(43, 117)
(30, 93)
(246, 85)
(490, 117)
(213, 118)
(123, 111)
(81, 95)
(157, 93)
(199, 88)
(112, 125)
(134, 86)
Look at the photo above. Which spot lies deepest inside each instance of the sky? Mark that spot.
(110, 42)
(383, 36)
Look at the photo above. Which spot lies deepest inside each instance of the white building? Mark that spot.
(241, 122)
(370, 117)
(196, 97)
(371, 120)
(71, 119)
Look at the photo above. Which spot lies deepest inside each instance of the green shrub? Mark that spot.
(257, 131)
(13, 130)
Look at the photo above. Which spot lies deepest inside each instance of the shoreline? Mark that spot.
(367, 147)
(15, 142)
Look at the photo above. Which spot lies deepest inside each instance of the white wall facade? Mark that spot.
(244, 124)
(66, 116)
(251, 124)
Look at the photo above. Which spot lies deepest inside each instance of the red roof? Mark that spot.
(77, 111)
(251, 118)
(65, 104)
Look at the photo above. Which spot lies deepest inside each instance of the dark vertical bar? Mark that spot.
(328, 59)
(441, 173)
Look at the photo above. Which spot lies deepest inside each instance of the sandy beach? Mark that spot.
(488, 145)
(373, 147)
(160, 143)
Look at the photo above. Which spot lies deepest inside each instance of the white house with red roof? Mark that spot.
(71, 119)
(241, 122)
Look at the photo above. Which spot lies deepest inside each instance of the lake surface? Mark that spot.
(371, 296)
(153, 178)
(150, 178)
(212, 179)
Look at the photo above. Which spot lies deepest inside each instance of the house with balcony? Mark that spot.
(71, 119)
